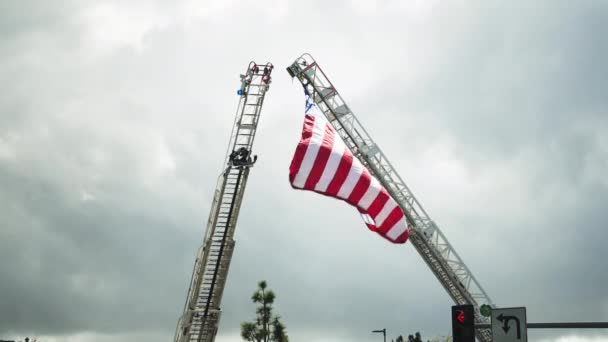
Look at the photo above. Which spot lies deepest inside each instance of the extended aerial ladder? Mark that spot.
(426, 236)
(201, 314)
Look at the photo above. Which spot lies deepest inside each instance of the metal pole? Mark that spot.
(564, 325)
(383, 331)
(571, 325)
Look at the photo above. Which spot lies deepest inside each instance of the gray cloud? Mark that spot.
(114, 129)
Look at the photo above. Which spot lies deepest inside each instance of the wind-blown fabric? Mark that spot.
(324, 164)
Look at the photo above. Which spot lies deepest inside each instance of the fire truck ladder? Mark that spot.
(426, 237)
(201, 314)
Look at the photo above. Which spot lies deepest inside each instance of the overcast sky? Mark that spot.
(115, 116)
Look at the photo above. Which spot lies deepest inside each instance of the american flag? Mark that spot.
(322, 163)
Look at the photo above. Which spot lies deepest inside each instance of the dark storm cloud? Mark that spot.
(85, 246)
(72, 266)
(508, 76)
(526, 96)
(80, 248)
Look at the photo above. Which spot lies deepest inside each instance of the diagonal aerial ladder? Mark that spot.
(200, 318)
(426, 236)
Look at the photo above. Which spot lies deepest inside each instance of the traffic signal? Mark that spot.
(463, 323)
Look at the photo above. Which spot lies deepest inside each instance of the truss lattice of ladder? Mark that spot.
(201, 314)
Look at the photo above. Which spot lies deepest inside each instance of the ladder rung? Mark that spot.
(327, 92)
(341, 110)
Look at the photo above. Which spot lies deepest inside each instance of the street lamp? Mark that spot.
(383, 331)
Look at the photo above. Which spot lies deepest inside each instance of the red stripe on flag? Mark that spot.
(390, 221)
(378, 203)
(360, 188)
(341, 174)
(321, 159)
(296, 162)
(371, 227)
(400, 239)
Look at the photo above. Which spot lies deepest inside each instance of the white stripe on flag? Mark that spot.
(386, 210)
(367, 219)
(398, 229)
(335, 157)
(312, 150)
(370, 195)
(356, 169)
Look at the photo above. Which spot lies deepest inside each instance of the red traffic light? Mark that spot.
(460, 316)
(463, 323)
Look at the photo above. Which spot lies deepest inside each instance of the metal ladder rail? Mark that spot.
(215, 274)
(188, 320)
(215, 271)
(201, 315)
(428, 240)
(216, 258)
(212, 294)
